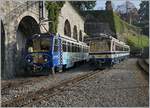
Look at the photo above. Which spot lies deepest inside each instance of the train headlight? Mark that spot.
(45, 59)
(29, 60)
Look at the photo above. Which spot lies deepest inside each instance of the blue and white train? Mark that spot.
(106, 50)
(45, 52)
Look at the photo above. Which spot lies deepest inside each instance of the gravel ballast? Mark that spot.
(124, 85)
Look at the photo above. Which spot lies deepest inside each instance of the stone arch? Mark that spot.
(75, 34)
(80, 35)
(2, 48)
(67, 28)
(26, 28)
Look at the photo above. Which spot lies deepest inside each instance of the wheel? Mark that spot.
(60, 69)
(64, 67)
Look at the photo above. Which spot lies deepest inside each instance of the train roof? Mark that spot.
(41, 35)
(69, 39)
(66, 38)
(102, 36)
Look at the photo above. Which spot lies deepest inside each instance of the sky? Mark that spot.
(100, 4)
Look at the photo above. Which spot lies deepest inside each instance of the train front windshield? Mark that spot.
(98, 46)
(39, 44)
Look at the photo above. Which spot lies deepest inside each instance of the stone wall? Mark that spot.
(70, 14)
(12, 13)
(92, 28)
(17, 15)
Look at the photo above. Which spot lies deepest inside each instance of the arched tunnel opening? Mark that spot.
(2, 49)
(27, 27)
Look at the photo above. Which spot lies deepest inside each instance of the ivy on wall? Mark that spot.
(53, 13)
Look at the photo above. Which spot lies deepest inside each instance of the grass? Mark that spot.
(131, 34)
(139, 41)
(122, 26)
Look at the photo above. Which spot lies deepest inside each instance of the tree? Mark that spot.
(53, 13)
(83, 5)
(144, 11)
(144, 16)
(128, 12)
(108, 5)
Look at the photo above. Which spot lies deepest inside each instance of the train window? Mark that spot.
(45, 44)
(126, 49)
(64, 46)
(81, 48)
(86, 50)
(78, 48)
(113, 46)
(69, 47)
(41, 44)
(56, 45)
(75, 48)
(119, 48)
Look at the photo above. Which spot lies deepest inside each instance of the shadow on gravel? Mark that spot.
(145, 74)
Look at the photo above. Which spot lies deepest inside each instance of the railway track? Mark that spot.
(17, 83)
(33, 97)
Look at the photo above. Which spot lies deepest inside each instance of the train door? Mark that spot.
(57, 52)
(60, 50)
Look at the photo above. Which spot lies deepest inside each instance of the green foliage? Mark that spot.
(53, 13)
(132, 34)
(108, 5)
(144, 10)
(139, 41)
(118, 24)
(122, 26)
(83, 5)
(136, 43)
(144, 16)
